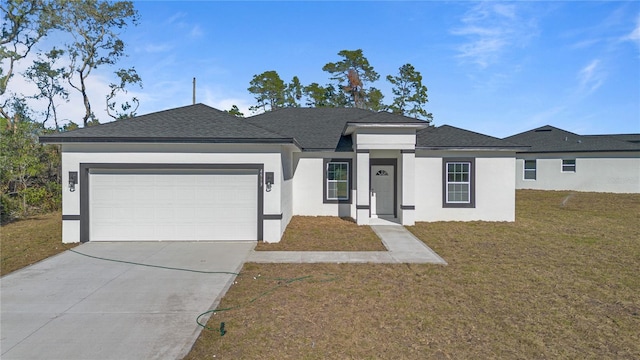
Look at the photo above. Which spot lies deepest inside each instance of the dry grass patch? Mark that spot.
(325, 233)
(30, 240)
(561, 282)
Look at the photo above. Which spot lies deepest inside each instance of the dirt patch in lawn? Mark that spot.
(560, 282)
(30, 240)
(325, 233)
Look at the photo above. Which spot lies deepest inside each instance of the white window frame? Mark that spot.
(345, 181)
(568, 168)
(467, 183)
(533, 170)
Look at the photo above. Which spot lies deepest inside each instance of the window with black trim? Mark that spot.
(337, 181)
(569, 165)
(529, 169)
(458, 182)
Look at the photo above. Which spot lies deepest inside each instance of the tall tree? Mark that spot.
(293, 93)
(19, 156)
(269, 91)
(94, 25)
(352, 73)
(316, 95)
(374, 100)
(24, 23)
(410, 94)
(235, 111)
(47, 78)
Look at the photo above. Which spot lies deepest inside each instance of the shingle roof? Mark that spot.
(547, 139)
(308, 128)
(193, 123)
(449, 137)
(322, 128)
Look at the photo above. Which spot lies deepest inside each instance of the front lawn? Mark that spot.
(325, 233)
(28, 241)
(560, 282)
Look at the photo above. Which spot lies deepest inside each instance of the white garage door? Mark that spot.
(173, 205)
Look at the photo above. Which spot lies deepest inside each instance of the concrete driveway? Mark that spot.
(72, 306)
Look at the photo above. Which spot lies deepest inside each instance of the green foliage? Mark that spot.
(293, 93)
(95, 26)
(127, 110)
(24, 23)
(269, 91)
(47, 78)
(352, 73)
(29, 171)
(235, 111)
(10, 208)
(46, 198)
(410, 93)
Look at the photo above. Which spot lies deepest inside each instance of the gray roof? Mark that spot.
(194, 123)
(322, 128)
(549, 139)
(311, 129)
(449, 137)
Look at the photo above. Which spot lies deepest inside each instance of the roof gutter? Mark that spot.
(48, 139)
(574, 151)
(473, 148)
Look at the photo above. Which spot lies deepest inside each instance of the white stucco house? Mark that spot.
(197, 173)
(556, 159)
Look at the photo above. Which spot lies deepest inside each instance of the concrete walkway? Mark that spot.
(402, 248)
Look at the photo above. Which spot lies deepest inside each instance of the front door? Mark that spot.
(382, 189)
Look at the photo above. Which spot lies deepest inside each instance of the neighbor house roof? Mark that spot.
(194, 123)
(549, 139)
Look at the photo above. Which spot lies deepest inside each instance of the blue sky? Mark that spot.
(497, 68)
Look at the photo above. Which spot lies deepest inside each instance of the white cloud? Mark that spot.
(634, 35)
(222, 100)
(156, 48)
(490, 29)
(176, 18)
(196, 31)
(591, 77)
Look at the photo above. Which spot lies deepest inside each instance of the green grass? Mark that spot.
(560, 282)
(28, 241)
(325, 233)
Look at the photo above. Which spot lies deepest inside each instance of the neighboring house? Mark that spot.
(197, 173)
(560, 160)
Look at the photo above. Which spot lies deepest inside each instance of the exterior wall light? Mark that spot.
(73, 180)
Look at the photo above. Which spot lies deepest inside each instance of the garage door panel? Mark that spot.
(173, 206)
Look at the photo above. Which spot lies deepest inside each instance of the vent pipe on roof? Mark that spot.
(194, 91)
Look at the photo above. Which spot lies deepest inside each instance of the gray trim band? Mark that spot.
(272, 216)
(392, 162)
(84, 185)
(326, 161)
(472, 183)
(363, 207)
(70, 217)
(407, 207)
(408, 151)
(362, 151)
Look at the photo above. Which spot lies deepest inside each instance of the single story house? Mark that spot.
(198, 173)
(561, 160)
